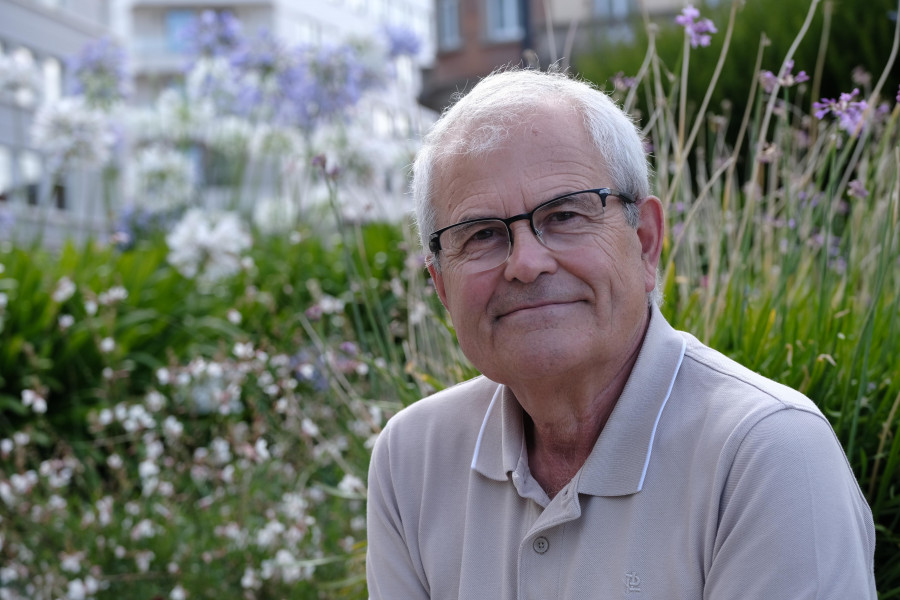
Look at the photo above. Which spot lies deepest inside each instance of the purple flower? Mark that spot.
(768, 80)
(898, 93)
(857, 189)
(622, 83)
(860, 76)
(213, 34)
(697, 30)
(787, 79)
(263, 79)
(850, 113)
(402, 41)
(99, 73)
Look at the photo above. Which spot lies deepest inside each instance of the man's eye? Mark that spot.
(483, 234)
(559, 216)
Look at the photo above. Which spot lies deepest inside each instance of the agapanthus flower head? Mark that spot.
(69, 131)
(100, 72)
(325, 81)
(787, 78)
(265, 54)
(849, 112)
(215, 33)
(402, 41)
(18, 75)
(698, 31)
(208, 245)
(161, 178)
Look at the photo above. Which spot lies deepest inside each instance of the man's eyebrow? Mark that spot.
(474, 214)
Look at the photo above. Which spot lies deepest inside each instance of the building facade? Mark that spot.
(474, 37)
(36, 37)
(152, 31)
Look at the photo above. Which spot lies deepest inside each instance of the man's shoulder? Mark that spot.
(461, 406)
(743, 385)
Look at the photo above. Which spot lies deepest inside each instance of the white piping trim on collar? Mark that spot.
(659, 414)
(484, 424)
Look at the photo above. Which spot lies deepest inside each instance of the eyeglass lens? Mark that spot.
(559, 225)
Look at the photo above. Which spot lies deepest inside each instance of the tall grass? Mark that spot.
(783, 251)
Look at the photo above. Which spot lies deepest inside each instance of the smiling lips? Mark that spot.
(515, 308)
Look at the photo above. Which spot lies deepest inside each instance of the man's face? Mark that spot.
(545, 313)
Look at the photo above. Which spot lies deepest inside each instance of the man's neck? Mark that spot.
(562, 427)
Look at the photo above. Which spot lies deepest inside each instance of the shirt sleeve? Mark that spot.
(392, 572)
(793, 523)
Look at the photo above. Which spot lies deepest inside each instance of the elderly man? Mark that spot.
(602, 454)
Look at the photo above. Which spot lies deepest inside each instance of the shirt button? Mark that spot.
(541, 545)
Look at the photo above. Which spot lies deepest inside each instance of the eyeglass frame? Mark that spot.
(434, 240)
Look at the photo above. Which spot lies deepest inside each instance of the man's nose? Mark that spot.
(528, 257)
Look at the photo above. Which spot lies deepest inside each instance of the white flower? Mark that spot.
(112, 295)
(351, 484)
(163, 376)
(114, 461)
(267, 536)
(71, 563)
(208, 245)
(65, 321)
(34, 400)
(104, 510)
(178, 593)
(76, 590)
(69, 131)
(309, 428)
(143, 560)
(172, 427)
(64, 290)
(107, 345)
(4, 300)
(148, 469)
(155, 401)
(19, 77)
(90, 307)
(144, 529)
(249, 580)
(262, 449)
(276, 215)
(161, 178)
(234, 317)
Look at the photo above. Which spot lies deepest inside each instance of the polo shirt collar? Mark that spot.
(619, 461)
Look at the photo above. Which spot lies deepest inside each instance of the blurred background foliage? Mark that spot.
(845, 37)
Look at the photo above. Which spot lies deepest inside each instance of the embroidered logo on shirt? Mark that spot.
(632, 583)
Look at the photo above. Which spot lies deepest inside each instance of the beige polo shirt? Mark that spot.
(708, 482)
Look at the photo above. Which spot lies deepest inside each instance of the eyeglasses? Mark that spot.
(559, 224)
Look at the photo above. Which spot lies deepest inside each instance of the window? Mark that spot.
(5, 173)
(178, 26)
(28, 76)
(30, 169)
(381, 122)
(448, 24)
(52, 80)
(612, 9)
(504, 21)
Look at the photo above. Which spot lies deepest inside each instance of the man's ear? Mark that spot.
(651, 231)
(438, 284)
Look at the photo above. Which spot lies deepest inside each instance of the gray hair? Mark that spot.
(483, 118)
